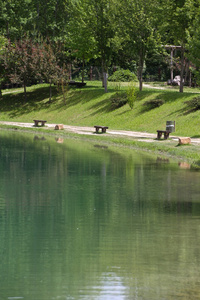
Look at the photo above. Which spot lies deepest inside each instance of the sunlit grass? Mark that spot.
(91, 106)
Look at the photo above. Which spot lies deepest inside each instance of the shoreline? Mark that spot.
(90, 131)
(138, 140)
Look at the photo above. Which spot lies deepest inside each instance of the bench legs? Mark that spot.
(103, 129)
(37, 123)
(159, 134)
(166, 135)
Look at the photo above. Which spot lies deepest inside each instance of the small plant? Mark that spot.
(194, 104)
(123, 76)
(117, 87)
(118, 99)
(131, 95)
(151, 104)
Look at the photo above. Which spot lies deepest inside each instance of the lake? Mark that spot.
(81, 220)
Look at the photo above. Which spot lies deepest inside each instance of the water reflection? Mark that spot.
(82, 221)
(37, 138)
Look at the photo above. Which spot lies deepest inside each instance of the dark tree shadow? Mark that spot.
(14, 103)
(195, 136)
(103, 106)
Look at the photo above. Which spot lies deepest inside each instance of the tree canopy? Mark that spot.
(108, 33)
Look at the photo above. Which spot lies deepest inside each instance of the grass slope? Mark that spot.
(90, 106)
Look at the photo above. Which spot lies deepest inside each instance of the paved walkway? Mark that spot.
(140, 136)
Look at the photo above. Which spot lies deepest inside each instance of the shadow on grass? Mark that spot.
(102, 106)
(83, 96)
(166, 97)
(15, 104)
(184, 111)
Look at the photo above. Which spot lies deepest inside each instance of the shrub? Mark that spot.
(123, 75)
(153, 103)
(131, 95)
(194, 104)
(118, 99)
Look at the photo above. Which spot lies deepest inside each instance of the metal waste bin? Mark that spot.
(170, 126)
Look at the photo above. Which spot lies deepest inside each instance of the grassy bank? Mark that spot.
(90, 106)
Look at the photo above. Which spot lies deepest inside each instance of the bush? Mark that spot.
(123, 75)
(118, 99)
(131, 95)
(153, 103)
(194, 104)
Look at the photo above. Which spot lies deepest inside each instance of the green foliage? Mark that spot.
(118, 99)
(138, 21)
(123, 76)
(131, 95)
(151, 104)
(33, 17)
(194, 103)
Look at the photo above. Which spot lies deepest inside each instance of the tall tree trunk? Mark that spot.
(102, 71)
(140, 71)
(105, 82)
(171, 64)
(190, 79)
(182, 70)
(104, 76)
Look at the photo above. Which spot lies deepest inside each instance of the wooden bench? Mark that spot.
(165, 132)
(77, 84)
(36, 122)
(103, 128)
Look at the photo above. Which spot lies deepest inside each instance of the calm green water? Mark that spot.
(82, 221)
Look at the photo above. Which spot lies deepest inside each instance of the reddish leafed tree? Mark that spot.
(26, 60)
(46, 64)
(18, 62)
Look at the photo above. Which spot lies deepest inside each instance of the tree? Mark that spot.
(15, 18)
(138, 27)
(45, 63)
(34, 17)
(80, 39)
(18, 62)
(49, 18)
(193, 46)
(2, 47)
(26, 61)
(99, 26)
(178, 17)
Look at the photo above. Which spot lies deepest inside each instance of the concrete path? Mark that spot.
(140, 136)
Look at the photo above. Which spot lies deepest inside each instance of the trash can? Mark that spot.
(170, 126)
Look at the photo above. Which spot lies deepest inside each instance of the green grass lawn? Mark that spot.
(90, 106)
